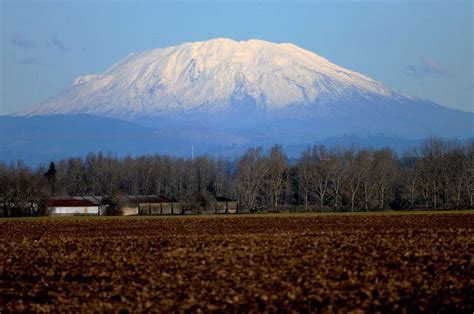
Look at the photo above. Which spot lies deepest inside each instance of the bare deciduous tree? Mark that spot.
(252, 169)
(277, 168)
(358, 164)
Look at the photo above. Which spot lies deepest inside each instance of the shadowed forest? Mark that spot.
(436, 175)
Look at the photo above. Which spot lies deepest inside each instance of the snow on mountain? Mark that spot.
(219, 97)
(211, 76)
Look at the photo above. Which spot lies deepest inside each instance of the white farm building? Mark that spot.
(73, 206)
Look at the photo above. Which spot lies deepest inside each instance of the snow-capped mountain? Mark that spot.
(221, 96)
(211, 76)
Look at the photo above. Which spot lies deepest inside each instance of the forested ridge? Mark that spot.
(436, 175)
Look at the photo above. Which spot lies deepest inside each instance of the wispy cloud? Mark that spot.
(30, 60)
(425, 67)
(58, 44)
(34, 50)
(21, 41)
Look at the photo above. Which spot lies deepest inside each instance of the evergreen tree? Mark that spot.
(51, 177)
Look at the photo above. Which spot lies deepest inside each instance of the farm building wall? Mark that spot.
(232, 207)
(159, 208)
(129, 211)
(229, 207)
(79, 210)
(221, 206)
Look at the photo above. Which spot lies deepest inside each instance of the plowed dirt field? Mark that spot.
(275, 263)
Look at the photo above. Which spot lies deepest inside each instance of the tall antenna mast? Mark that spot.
(192, 151)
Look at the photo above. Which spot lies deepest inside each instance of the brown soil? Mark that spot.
(387, 263)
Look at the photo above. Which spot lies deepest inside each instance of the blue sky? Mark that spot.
(422, 48)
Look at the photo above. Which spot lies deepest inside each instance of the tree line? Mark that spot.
(438, 174)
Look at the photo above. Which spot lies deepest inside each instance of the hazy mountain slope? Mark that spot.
(41, 139)
(45, 138)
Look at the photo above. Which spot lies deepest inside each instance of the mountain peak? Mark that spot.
(209, 76)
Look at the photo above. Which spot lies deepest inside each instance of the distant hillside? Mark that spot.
(44, 138)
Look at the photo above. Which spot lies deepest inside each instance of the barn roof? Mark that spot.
(224, 199)
(135, 199)
(94, 200)
(69, 202)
